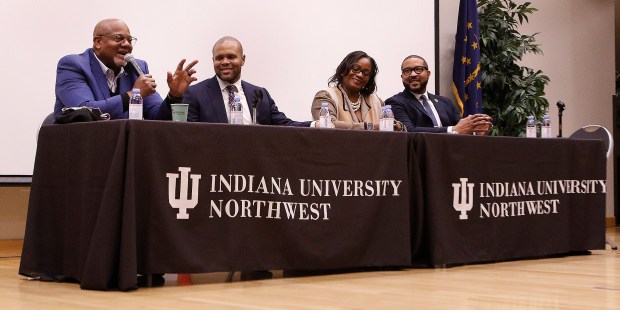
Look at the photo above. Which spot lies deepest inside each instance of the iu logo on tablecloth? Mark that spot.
(463, 197)
(183, 202)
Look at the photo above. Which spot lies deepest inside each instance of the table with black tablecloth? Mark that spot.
(113, 199)
(101, 207)
(529, 197)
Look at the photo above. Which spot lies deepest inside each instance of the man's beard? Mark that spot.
(419, 90)
(120, 63)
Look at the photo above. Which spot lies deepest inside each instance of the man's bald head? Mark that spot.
(107, 25)
(228, 39)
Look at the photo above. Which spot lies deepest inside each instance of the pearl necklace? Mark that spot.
(354, 105)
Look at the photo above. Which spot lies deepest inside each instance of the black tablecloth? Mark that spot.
(113, 199)
(101, 207)
(529, 197)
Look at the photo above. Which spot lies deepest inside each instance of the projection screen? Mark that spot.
(291, 48)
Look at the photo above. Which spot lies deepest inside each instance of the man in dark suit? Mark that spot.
(100, 78)
(209, 100)
(421, 111)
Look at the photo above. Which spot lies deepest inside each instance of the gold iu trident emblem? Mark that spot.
(465, 202)
(184, 202)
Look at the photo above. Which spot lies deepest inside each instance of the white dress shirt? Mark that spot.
(247, 117)
(109, 75)
(430, 103)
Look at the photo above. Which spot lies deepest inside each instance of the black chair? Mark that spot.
(48, 120)
(597, 132)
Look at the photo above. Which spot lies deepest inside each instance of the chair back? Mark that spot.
(48, 120)
(595, 132)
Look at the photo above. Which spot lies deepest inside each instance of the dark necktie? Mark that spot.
(428, 109)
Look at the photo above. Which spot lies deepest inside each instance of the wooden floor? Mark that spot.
(573, 282)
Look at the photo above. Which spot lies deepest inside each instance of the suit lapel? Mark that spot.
(214, 95)
(440, 108)
(124, 83)
(416, 103)
(248, 90)
(95, 67)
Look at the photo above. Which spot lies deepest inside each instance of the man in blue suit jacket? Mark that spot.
(209, 100)
(442, 115)
(100, 78)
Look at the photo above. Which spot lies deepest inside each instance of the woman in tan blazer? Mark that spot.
(351, 97)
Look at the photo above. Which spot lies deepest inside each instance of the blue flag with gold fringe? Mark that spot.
(466, 76)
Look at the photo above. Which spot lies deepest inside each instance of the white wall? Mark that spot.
(577, 38)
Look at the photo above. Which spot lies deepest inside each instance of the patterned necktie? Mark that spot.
(428, 109)
(232, 89)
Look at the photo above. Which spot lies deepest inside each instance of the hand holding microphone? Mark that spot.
(145, 82)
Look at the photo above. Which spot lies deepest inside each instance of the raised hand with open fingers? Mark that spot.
(182, 78)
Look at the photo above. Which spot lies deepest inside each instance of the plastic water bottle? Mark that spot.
(135, 104)
(236, 112)
(387, 119)
(325, 120)
(545, 127)
(530, 130)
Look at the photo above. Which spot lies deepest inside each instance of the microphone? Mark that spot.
(561, 105)
(258, 97)
(129, 59)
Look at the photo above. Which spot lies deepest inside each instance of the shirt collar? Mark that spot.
(105, 69)
(417, 96)
(224, 84)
